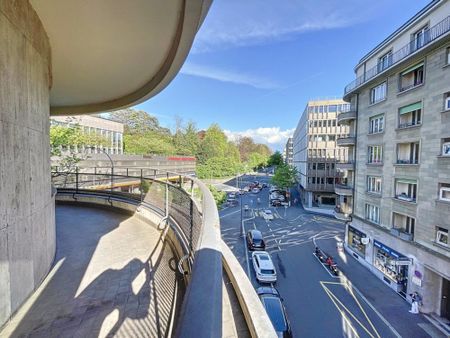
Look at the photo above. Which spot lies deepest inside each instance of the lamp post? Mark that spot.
(112, 166)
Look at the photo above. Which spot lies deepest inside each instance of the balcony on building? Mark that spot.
(346, 140)
(403, 226)
(345, 165)
(345, 117)
(343, 188)
(410, 116)
(408, 153)
(406, 190)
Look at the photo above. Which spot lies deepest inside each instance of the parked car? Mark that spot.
(232, 195)
(267, 214)
(264, 269)
(232, 201)
(273, 303)
(255, 240)
(255, 191)
(275, 203)
(264, 185)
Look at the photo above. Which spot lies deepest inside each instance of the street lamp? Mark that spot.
(112, 165)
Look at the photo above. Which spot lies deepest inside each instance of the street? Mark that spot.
(318, 304)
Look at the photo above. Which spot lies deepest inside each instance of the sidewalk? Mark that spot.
(388, 303)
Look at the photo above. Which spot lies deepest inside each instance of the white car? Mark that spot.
(264, 269)
(267, 214)
(255, 191)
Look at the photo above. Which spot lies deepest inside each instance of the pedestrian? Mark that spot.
(416, 299)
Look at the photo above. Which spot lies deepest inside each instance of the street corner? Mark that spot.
(358, 316)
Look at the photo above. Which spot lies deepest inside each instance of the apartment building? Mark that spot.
(288, 153)
(316, 154)
(111, 131)
(397, 192)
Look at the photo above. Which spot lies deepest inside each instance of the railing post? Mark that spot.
(154, 173)
(180, 181)
(167, 197)
(141, 187)
(76, 179)
(192, 189)
(112, 178)
(191, 207)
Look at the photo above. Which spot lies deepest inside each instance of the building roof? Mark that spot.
(108, 55)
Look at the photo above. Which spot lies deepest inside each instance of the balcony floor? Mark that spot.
(112, 276)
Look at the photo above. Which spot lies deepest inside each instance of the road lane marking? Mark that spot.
(331, 295)
(246, 249)
(231, 213)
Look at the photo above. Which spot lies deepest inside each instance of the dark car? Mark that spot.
(255, 240)
(273, 303)
(275, 203)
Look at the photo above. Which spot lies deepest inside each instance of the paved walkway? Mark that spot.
(112, 276)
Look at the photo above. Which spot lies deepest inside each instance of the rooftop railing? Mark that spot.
(410, 48)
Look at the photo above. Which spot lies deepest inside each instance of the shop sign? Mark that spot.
(417, 281)
(403, 261)
(356, 231)
(388, 250)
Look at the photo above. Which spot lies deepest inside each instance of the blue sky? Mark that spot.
(255, 63)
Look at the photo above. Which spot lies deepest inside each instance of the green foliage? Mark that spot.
(218, 167)
(256, 160)
(285, 176)
(144, 186)
(151, 142)
(185, 139)
(137, 121)
(219, 196)
(214, 144)
(65, 136)
(276, 159)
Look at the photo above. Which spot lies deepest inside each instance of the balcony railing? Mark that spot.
(430, 35)
(408, 161)
(188, 207)
(343, 189)
(348, 140)
(346, 117)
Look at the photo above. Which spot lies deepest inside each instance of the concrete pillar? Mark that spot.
(310, 198)
(27, 221)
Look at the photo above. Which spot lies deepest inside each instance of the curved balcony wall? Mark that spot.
(343, 190)
(345, 165)
(346, 117)
(347, 141)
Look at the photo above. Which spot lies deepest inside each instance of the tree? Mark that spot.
(246, 146)
(185, 139)
(285, 176)
(262, 149)
(150, 142)
(214, 144)
(276, 159)
(256, 160)
(137, 121)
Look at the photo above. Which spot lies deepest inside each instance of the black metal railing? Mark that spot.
(413, 46)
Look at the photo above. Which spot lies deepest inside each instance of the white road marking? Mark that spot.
(323, 265)
(231, 213)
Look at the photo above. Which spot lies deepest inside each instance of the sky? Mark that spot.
(254, 64)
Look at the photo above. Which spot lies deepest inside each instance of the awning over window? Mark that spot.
(410, 108)
(406, 181)
(410, 69)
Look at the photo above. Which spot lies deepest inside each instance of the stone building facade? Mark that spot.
(399, 176)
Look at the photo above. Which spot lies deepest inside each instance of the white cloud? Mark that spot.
(234, 23)
(274, 137)
(227, 76)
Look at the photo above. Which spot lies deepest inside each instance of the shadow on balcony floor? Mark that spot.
(112, 276)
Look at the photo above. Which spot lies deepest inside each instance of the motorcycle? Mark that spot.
(333, 267)
(319, 254)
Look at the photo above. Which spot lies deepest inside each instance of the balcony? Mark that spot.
(346, 117)
(343, 190)
(135, 256)
(430, 35)
(345, 165)
(346, 141)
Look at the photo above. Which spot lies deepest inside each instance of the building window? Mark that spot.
(378, 93)
(444, 192)
(410, 115)
(373, 213)
(408, 153)
(448, 56)
(320, 166)
(447, 101)
(374, 184)
(332, 108)
(375, 154)
(445, 146)
(376, 124)
(442, 236)
(406, 190)
(403, 223)
(421, 37)
(412, 77)
(385, 61)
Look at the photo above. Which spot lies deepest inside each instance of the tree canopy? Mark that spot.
(137, 121)
(276, 159)
(285, 176)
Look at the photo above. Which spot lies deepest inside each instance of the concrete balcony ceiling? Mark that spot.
(343, 190)
(346, 118)
(108, 55)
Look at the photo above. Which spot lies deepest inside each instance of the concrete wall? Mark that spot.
(27, 221)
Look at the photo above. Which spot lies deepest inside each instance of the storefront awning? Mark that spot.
(406, 181)
(410, 108)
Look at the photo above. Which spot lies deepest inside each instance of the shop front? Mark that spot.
(393, 267)
(357, 240)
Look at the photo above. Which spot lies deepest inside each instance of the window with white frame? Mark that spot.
(447, 101)
(375, 154)
(376, 124)
(385, 61)
(374, 184)
(378, 93)
(412, 77)
(444, 192)
(406, 190)
(421, 37)
(373, 213)
(403, 222)
(442, 236)
(448, 56)
(408, 153)
(445, 146)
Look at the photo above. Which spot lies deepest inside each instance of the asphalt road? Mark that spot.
(318, 304)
